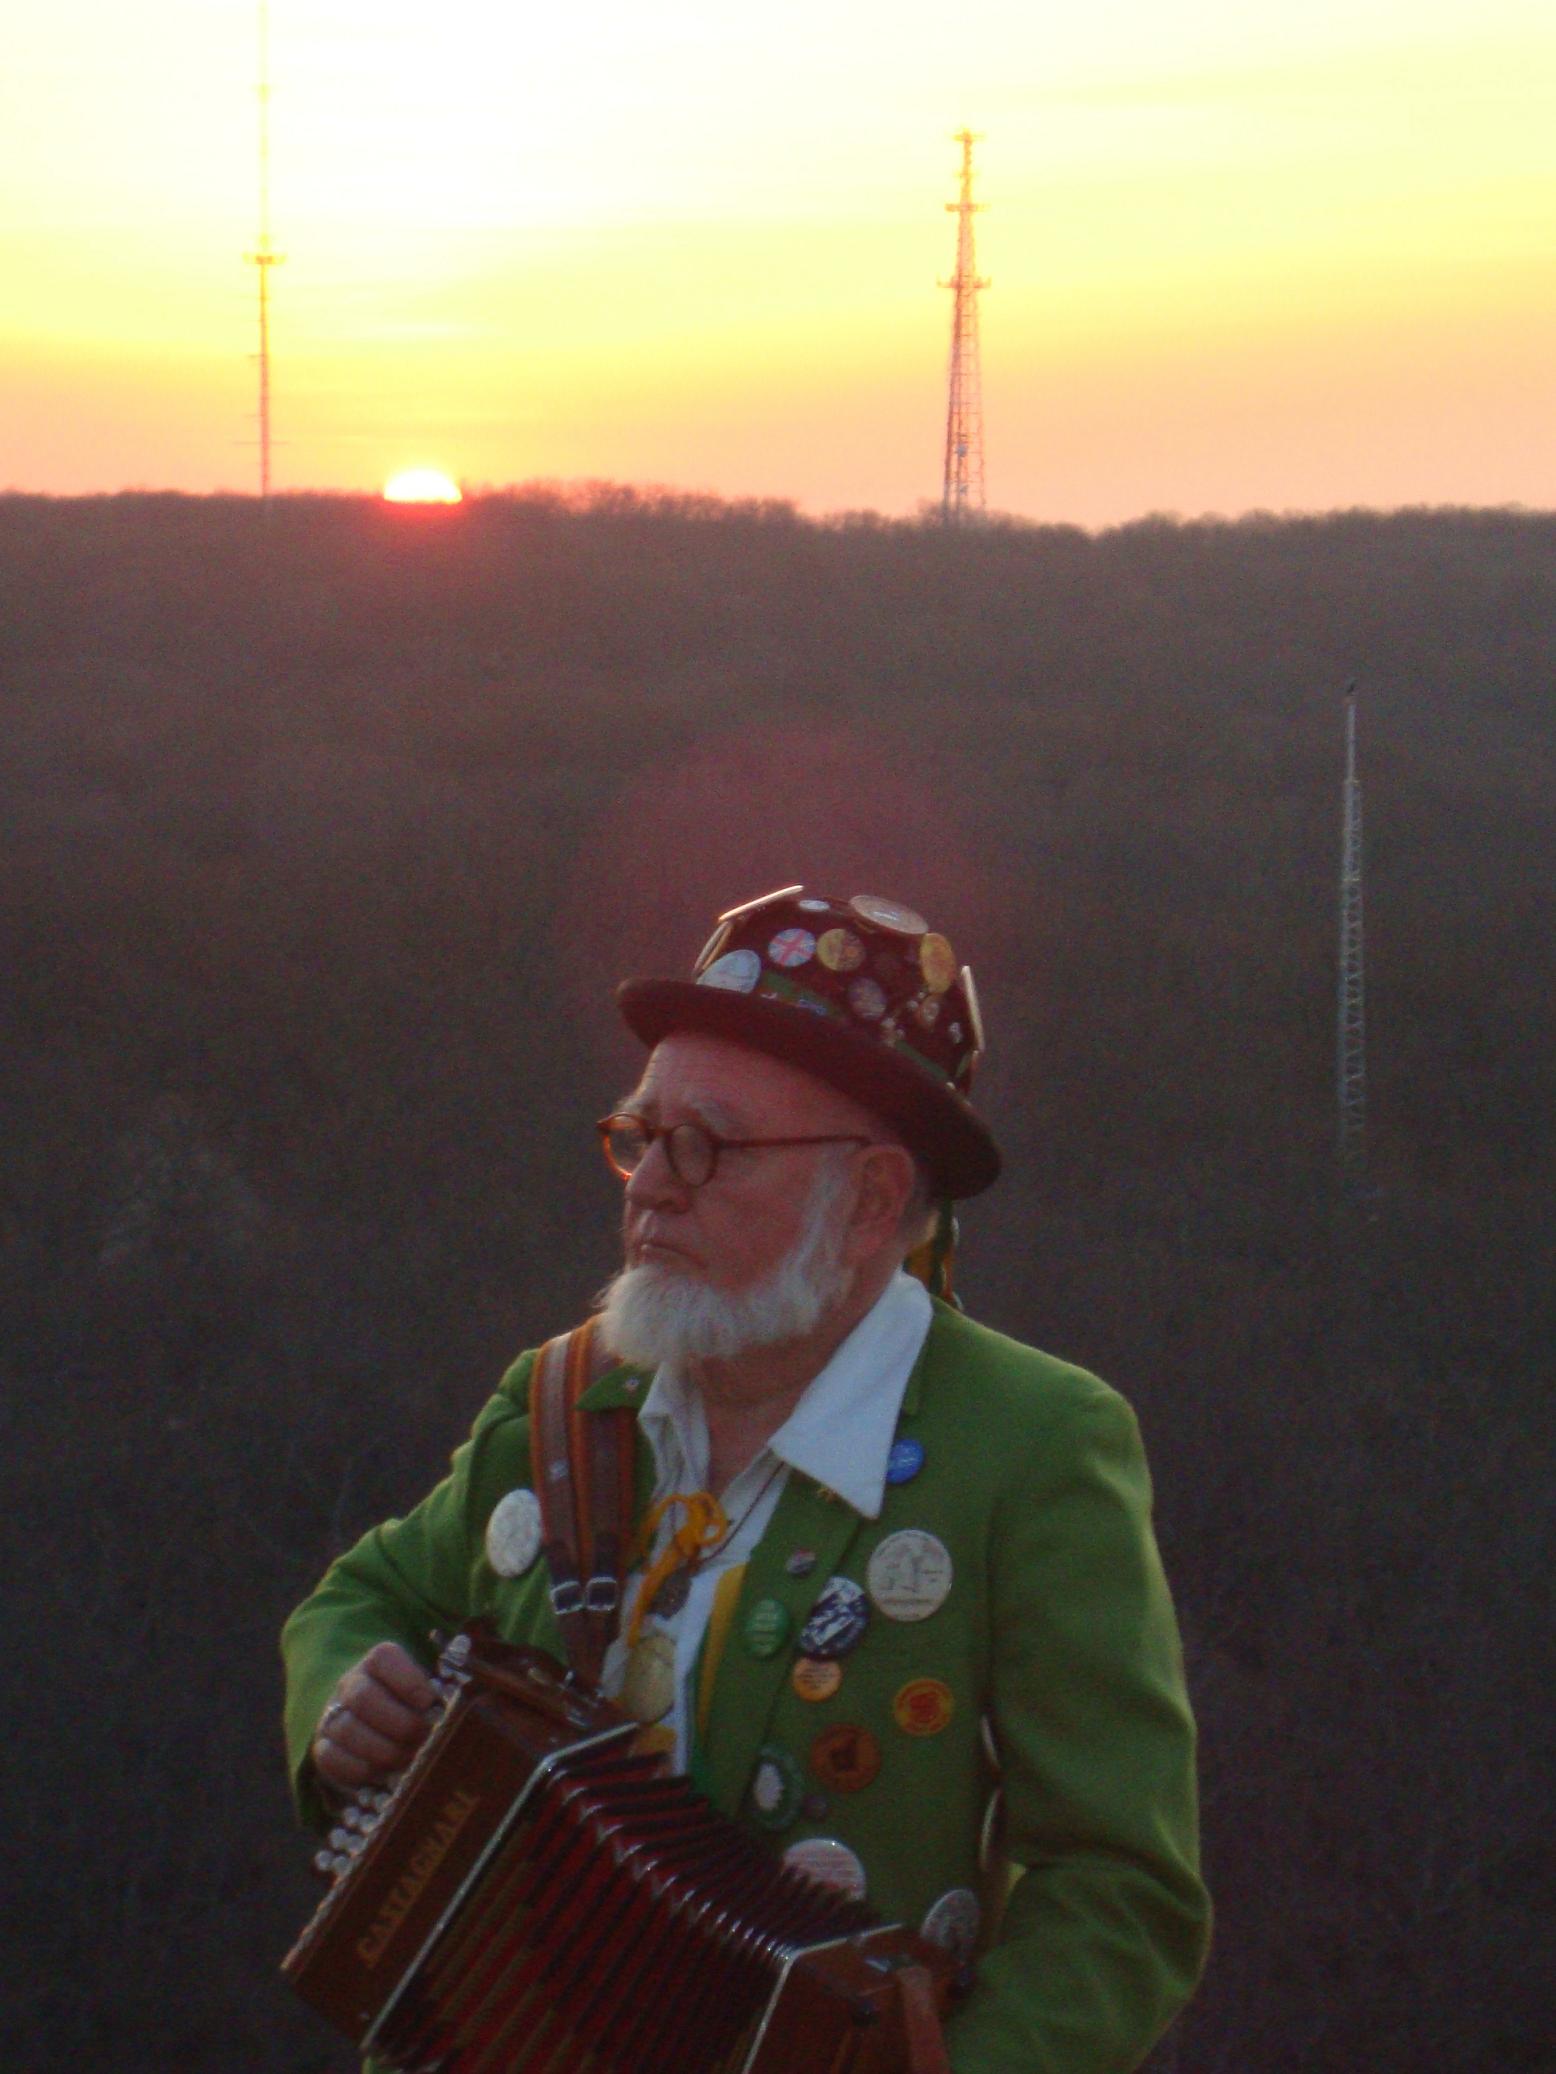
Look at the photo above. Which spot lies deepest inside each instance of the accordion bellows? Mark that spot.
(537, 1898)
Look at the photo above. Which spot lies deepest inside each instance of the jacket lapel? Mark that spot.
(746, 1687)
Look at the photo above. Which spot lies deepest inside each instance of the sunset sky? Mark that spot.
(1288, 256)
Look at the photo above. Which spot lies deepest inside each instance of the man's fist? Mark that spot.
(376, 1722)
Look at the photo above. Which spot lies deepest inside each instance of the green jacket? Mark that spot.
(1057, 1625)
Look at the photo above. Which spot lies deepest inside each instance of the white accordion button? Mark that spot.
(829, 1863)
(513, 1533)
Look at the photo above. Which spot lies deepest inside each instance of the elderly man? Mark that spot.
(895, 1600)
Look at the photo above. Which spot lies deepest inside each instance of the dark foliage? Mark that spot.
(324, 843)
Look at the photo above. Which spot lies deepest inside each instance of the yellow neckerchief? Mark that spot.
(703, 1527)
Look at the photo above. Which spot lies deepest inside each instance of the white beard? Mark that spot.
(652, 1314)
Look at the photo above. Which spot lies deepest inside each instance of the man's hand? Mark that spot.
(376, 1722)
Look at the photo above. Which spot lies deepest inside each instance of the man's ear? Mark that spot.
(886, 1180)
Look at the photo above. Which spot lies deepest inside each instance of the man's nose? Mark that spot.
(653, 1181)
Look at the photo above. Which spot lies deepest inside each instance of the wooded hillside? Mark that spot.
(324, 844)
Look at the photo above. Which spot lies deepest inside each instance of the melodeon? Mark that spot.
(536, 1895)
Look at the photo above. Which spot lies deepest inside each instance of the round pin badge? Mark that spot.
(812, 906)
(791, 947)
(910, 1575)
(513, 1533)
(816, 1677)
(867, 999)
(952, 1922)
(837, 1621)
(937, 962)
(888, 914)
(845, 1757)
(777, 1788)
(829, 1863)
(800, 1562)
(923, 1706)
(840, 950)
(905, 1460)
(648, 1688)
(737, 972)
(767, 1627)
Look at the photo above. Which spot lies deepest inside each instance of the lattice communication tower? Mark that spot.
(264, 256)
(1351, 1021)
(962, 499)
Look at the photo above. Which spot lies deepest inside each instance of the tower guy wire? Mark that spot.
(264, 256)
(962, 499)
(1351, 1018)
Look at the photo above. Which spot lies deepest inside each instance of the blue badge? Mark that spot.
(905, 1461)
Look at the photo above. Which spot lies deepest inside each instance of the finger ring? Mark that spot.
(331, 1715)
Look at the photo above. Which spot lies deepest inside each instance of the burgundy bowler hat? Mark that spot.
(863, 994)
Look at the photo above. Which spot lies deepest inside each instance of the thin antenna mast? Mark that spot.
(962, 498)
(264, 257)
(1351, 1022)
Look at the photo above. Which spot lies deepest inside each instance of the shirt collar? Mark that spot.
(840, 1433)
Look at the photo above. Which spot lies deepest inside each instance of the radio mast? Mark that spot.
(1351, 1021)
(264, 257)
(962, 498)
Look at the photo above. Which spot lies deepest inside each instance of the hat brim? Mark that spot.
(932, 1118)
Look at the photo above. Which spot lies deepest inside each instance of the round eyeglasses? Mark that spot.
(691, 1148)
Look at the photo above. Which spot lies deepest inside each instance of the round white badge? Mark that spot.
(648, 1689)
(513, 1533)
(909, 1575)
(830, 1864)
(737, 972)
(952, 1922)
(888, 914)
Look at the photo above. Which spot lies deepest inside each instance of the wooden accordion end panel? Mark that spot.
(537, 1898)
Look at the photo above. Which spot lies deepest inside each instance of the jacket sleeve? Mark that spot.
(1107, 1922)
(401, 1581)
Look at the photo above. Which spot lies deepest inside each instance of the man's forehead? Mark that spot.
(730, 1083)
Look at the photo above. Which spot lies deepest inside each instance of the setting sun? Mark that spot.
(422, 486)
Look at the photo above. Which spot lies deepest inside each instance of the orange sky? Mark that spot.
(1293, 257)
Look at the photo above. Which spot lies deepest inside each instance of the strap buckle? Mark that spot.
(601, 1594)
(567, 1598)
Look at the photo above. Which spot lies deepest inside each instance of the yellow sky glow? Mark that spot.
(1294, 257)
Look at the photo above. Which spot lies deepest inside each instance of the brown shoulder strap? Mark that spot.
(583, 1479)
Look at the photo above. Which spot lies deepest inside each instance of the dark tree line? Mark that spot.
(324, 844)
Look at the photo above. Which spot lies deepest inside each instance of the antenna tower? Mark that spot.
(962, 499)
(1351, 1023)
(264, 257)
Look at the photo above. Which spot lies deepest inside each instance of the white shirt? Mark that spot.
(839, 1433)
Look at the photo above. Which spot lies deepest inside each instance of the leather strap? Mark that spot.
(583, 1480)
